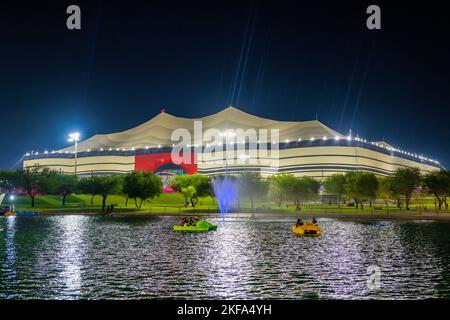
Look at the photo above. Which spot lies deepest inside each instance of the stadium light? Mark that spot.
(75, 137)
(11, 199)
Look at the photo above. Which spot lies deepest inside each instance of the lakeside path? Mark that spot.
(412, 215)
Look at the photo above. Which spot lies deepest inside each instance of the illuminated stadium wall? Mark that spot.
(306, 148)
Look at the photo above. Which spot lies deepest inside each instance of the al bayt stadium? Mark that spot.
(306, 148)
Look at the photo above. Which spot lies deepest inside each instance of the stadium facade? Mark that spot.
(306, 148)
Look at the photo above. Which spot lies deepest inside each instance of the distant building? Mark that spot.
(305, 148)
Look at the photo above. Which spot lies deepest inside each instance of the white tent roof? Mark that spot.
(384, 144)
(158, 130)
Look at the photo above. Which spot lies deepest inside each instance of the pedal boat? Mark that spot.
(200, 226)
(307, 229)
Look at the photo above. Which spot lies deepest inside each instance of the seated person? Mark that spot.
(299, 222)
(314, 220)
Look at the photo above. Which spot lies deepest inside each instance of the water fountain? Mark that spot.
(226, 191)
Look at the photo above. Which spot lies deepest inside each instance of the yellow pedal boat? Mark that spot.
(307, 229)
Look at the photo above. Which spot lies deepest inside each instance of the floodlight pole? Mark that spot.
(76, 151)
(74, 137)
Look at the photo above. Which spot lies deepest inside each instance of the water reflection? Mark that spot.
(71, 253)
(228, 265)
(9, 272)
(93, 257)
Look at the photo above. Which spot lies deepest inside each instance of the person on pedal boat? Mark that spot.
(299, 222)
(184, 221)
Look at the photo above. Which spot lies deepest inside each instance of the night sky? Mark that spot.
(286, 60)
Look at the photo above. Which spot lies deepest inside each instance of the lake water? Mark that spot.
(73, 257)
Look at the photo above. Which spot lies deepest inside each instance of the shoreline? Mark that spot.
(441, 216)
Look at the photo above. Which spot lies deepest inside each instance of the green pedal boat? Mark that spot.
(200, 226)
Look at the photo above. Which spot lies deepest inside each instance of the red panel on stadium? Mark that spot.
(151, 162)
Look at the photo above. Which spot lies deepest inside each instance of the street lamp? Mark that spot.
(11, 201)
(75, 137)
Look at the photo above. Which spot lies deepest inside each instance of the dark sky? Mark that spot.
(287, 60)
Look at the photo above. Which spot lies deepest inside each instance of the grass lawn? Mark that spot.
(174, 203)
(168, 202)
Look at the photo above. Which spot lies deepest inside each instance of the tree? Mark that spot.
(274, 192)
(65, 185)
(405, 180)
(9, 180)
(192, 187)
(368, 185)
(252, 187)
(181, 182)
(304, 189)
(119, 188)
(287, 187)
(99, 185)
(151, 186)
(48, 181)
(131, 185)
(89, 185)
(386, 190)
(351, 187)
(106, 185)
(202, 185)
(190, 192)
(142, 185)
(30, 179)
(281, 187)
(287, 183)
(361, 186)
(438, 183)
(335, 184)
